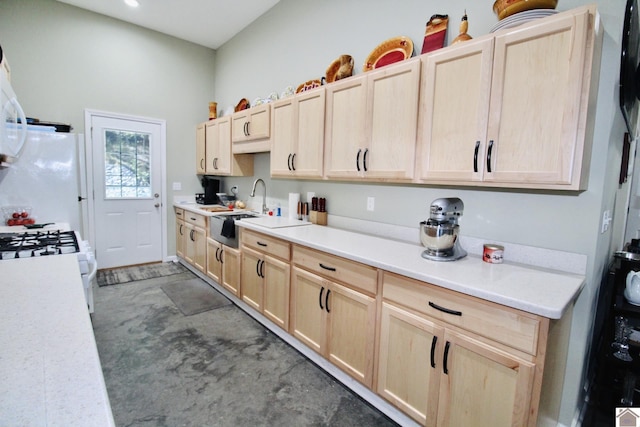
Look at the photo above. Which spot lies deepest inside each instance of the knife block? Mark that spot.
(319, 218)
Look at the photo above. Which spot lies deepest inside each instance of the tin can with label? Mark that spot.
(493, 254)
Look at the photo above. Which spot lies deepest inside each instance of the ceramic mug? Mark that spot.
(632, 291)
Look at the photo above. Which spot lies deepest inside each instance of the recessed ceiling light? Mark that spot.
(132, 3)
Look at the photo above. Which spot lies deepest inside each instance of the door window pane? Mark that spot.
(126, 164)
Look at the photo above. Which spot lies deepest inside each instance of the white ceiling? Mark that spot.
(208, 23)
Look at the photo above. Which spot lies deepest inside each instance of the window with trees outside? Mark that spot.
(127, 171)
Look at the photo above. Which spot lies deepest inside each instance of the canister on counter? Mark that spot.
(492, 253)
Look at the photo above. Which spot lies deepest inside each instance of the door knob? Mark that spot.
(157, 205)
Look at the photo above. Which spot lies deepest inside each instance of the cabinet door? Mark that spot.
(454, 108)
(199, 238)
(351, 335)
(345, 138)
(308, 316)
(307, 161)
(224, 163)
(212, 152)
(276, 291)
(231, 269)
(259, 122)
(181, 234)
(392, 102)
(409, 363)
(200, 149)
(214, 260)
(535, 102)
(195, 246)
(481, 385)
(251, 278)
(284, 137)
(239, 124)
(189, 243)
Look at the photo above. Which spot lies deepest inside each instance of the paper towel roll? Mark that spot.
(294, 198)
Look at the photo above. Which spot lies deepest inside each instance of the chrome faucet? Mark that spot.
(264, 195)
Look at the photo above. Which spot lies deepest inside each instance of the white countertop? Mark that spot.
(50, 373)
(535, 290)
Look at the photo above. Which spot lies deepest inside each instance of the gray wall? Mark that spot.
(65, 60)
(296, 41)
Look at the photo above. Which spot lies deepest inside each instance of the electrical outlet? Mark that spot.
(606, 221)
(371, 203)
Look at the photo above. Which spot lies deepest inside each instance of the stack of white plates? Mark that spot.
(521, 18)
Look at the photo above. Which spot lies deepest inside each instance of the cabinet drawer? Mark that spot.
(195, 219)
(266, 244)
(180, 214)
(353, 274)
(508, 326)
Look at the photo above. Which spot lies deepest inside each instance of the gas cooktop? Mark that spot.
(42, 243)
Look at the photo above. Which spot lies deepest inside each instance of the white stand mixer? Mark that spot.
(439, 234)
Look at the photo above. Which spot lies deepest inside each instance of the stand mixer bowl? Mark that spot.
(439, 237)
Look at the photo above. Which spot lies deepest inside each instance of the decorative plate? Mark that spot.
(522, 18)
(310, 84)
(242, 105)
(393, 50)
(505, 8)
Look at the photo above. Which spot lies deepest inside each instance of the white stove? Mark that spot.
(55, 239)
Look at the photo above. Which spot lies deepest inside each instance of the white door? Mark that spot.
(127, 186)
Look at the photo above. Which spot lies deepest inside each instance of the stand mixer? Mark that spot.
(439, 234)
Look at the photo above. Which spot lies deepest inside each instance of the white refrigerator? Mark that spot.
(49, 176)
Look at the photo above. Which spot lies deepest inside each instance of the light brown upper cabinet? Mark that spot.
(200, 149)
(511, 110)
(250, 130)
(454, 109)
(219, 158)
(371, 124)
(297, 125)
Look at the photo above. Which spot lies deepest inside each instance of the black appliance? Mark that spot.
(211, 187)
(629, 66)
(608, 375)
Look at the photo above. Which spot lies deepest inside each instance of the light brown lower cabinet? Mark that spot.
(441, 357)
(443, 375)
(180, 232)
(336, 319)
(195, 251)
(265, 276)
(223, 265)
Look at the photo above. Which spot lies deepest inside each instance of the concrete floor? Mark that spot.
(217, 368)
